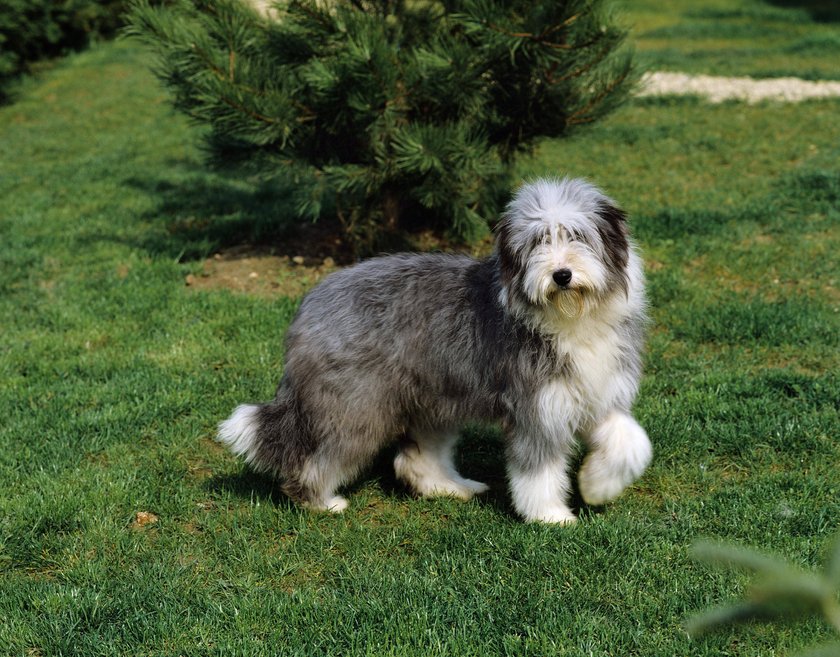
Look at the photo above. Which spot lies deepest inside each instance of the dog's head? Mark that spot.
(562, 246)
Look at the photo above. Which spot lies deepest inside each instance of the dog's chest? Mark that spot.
(591, 369)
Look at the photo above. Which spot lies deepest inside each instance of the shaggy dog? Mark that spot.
(544, 335)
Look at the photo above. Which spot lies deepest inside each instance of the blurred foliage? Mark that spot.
(780, 590)
(33, 30)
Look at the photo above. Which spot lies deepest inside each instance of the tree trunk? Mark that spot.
(391, 208)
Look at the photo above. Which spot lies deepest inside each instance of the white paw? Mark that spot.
(430, 475)
(475, 487)
(462, 489)
(595, 487)
(558, 515)
(335, 504)
(620, 453)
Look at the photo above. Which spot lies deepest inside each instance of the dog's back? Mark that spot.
(396, 337)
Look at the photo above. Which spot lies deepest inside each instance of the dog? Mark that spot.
(545, 335)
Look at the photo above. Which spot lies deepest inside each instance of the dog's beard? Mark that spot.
(570, 303)
(587, 273)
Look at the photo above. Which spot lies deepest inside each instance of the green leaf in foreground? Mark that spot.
(778, 591)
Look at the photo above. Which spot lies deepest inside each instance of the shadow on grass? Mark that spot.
(481, 458)
(197, 214)
(822, 11)
(250, 485)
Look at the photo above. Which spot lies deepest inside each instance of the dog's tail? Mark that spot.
(241, 431)
(272, 437)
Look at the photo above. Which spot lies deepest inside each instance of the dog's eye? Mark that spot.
(540, 239)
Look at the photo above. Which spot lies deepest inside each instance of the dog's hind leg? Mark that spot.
(426, 464)
(316, 485)
(337, 461)
(619, 453)
(277, 438)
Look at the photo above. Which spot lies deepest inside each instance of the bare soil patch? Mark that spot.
(269, 272)
(261, 272)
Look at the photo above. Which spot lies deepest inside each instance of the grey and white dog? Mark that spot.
(545, 335)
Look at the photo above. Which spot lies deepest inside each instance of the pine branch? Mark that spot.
(542, 38)
(229, 77)
(578, 118)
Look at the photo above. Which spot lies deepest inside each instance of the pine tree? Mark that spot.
(389, 113)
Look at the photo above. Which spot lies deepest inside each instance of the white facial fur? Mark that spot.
(553, 226)
(562, 247)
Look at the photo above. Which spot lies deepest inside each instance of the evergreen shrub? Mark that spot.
(389, 114)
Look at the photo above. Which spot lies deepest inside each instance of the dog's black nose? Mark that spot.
(562, 277)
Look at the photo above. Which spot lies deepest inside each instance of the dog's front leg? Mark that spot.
(619, 452)
(537, 470)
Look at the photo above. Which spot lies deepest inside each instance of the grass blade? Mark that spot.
(801, 591)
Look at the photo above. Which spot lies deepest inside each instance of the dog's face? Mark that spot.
(562, 245)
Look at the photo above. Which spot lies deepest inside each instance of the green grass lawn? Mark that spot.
(113, 375)
(763, 38)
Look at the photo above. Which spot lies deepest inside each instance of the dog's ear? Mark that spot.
(612, 214)
(504, 251)
(613, 230)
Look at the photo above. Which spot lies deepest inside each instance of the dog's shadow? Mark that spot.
(248, 484)
(480, 457)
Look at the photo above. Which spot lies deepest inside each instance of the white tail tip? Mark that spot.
(239, 431)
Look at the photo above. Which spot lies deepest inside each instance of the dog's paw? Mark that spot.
(596, 487)
(335, 504)
(475, 487)
(621, 452)
(557, 515)
(430, 476)
(462, 489)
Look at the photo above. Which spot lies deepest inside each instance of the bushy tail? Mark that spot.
(273, 438)
(240, 432)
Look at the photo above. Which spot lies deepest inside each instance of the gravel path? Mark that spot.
(719, 89)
